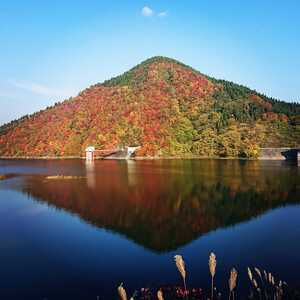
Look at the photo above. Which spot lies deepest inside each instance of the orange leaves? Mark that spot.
(159, 104)
(260, 101)
(271, 116)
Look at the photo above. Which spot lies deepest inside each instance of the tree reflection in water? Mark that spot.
(163, 205)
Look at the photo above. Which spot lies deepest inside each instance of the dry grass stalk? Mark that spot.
(212, 264)
(232, 282)
(181, 268)
(232, 279)
(270, 278)
(122, 292)
(273, 280)
(250, 274)
(276, 291)
(266, 275)
(258, 272)
(180, 265)
(255, 283)
(212, 268)
(160, 295)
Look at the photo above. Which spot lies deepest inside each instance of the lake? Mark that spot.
(123, 221)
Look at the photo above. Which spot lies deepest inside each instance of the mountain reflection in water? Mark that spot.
(163, 205)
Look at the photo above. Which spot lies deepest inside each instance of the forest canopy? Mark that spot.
(167, 108)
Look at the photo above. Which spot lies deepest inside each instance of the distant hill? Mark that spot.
(167, 108)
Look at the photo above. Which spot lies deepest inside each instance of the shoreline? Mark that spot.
(138, 158)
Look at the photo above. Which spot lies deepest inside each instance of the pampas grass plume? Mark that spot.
(180, 265)
(160, 295)
(212, 268)
(122, 292)
(212, 264)
(232, 279)
(181, 268)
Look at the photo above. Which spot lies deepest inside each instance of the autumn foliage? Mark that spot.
(167, 108)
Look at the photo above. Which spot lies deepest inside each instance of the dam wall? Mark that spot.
(279, 154)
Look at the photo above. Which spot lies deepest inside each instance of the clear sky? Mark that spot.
(52, 49)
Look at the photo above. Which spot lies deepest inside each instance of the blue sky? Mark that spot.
(52, 49)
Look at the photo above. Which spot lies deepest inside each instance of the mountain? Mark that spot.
(167, 108)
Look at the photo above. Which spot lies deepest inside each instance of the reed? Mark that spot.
(255, 283)
(122, 292)
(180, 264)
(212, 262)
(258, 272)
(250, 274)
(232, 282)
(266, 275)
(160, 295)
(263, 286)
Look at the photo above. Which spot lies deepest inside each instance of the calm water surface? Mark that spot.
(123, 221)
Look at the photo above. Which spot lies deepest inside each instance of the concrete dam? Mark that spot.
(292, 154)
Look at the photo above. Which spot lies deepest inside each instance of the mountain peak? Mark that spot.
(139, 73)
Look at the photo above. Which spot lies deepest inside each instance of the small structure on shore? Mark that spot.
(131, 150)
(91, 152)
(291, 154)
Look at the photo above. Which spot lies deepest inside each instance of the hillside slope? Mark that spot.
(166, 107)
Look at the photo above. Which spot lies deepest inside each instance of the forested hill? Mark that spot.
(167, 108)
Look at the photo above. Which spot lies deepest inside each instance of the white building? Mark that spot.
(89, 153)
